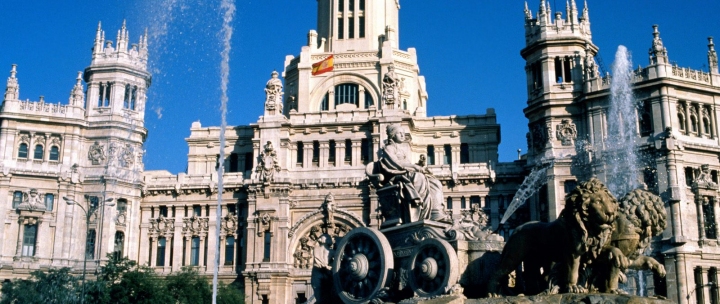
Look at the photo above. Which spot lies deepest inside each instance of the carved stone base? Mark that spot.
(558, 298)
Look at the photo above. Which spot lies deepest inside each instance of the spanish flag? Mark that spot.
(323, 66)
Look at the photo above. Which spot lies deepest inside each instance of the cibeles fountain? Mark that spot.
(421, 255)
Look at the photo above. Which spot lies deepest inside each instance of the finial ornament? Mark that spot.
(712, 56)
(273, 94)
(658, 53)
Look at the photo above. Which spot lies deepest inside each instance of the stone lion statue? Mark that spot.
(583, 227)
(642, 216)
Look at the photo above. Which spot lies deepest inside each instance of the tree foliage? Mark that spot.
(120, 281)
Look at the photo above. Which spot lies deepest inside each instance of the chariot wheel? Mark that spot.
(363, 265)
(433, 268)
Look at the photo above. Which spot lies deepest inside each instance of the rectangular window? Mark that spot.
(567, 71)
(93, 202)
(300, 153)
(195, 251)
(431, 155)
(331, 154)
(316, 152)
(248, 161)
(101, 93)
(90, 245)
(121, 205)
(448, 155)
(29, 238)
(361, 26)
(713, 277)
(463, 203)
(351, 27)
(351, 5)
(233, 163)
(161, 252)
(163, 211)
(689, 176)
(449, 203)
(570, 185)
(197, 210)
(231, 209)
(348, 150)
(709, 216)
(49, 201)
(475, 201)
(699, 285)
(341, 28)
(268, 242)
(341, 5)
(54, 153)
(364, 150)
(464, 153)
(17, 199)
(229, 250)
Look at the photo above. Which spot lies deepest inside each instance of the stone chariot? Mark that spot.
(417, 252)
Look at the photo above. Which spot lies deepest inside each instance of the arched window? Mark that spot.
(346, 93)
(49, 201)
(706, 125)
(368, 100)
(693, 123)
(38, 152)
(23, 151)
(54, 153)
(324, 106)
(681, 121)
(449, 203)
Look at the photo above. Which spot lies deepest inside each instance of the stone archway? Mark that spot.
(306, 231)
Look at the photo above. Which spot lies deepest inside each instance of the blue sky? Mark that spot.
(468, 50)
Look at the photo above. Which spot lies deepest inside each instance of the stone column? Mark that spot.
(361, 91)
(688, 128)
(222, 252)
(700, 217)
(356, 153)
(682, 286)
(292, 162)
(713, 123)
(201, 254)
(21, 231)
(187, 240)
(307, 154)
(324, 154)
(168, 247)
(153, 250)
(331, 99)
(339, 154)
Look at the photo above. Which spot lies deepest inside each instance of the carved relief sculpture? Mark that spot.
(273, 93)
(328, 208)
(127, 156)
(161, 226)
(321, 278)
(566, 132)
(96, 154)
(195, 225)
(32, 200)
(268, 164)
(538, 137)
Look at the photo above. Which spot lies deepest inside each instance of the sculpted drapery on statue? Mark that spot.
(416, 183)
(273, 93)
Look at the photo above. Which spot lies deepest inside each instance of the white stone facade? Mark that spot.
(317, 135)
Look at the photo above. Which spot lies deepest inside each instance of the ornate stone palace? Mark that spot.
(299, 172)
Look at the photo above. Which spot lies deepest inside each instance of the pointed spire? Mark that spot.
(712, 56)
(528, 13)
(542, 13)
(77, 97)
(572, 12)
(658, 53)
(549, 12)
(99, 39)
(12, 90)
(586, 12)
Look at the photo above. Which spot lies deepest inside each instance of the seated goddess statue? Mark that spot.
(417, 184)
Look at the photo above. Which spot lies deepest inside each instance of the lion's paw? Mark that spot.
(576, 289)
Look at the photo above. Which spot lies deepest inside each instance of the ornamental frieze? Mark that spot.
(195, 225)
(161, 226)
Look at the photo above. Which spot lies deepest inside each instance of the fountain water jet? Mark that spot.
(228, 6)
(619, 154)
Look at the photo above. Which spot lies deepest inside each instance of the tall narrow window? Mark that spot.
(709, 217)
(448, 155)
(693, 123)
(567, 71)
(537, 72)
(29, 238)
(248, 161)
(449, 203)
(161, 252)
(351, 27)
(341, 27)
(17, 199)
(681, 122)
(475, 201)
(331, 154)
(23, 150)
(38, 152)
(133, 97)
(706, 125)
(233, 163)
(464, 153)
(463, 203)
(90, 244)
(126, 100)
(121, 205)
(232, 209)
(351, 5)
(699, 285)
(714, 292)
(364, 150)
(431, 155)
(54, 153)
(316, 152)
(229, 250)
(558, 70)
(119, 244)
(368, 100)
(101, 94)
(689, 176)
(197, 210)
(195, 251)
(348, 150)
(268, 242)
(108, 93)
(361, 26)
(300, 153)
(324, 106)
(49, 201)
(163, 211)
